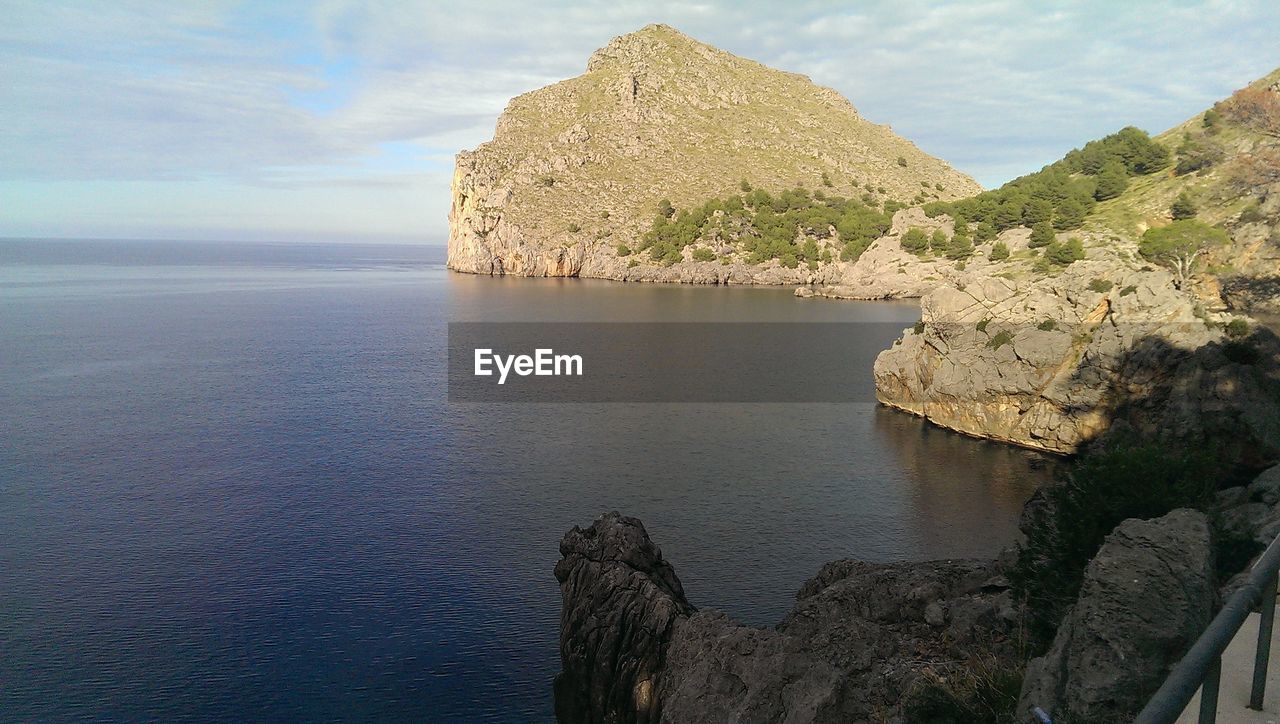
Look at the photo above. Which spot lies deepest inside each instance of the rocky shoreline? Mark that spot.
(869, 642)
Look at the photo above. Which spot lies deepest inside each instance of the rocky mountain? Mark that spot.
(578, 171)
(1109, 312)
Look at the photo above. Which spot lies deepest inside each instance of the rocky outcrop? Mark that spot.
(860, 637)
(579, 167)
(620, 602)
(1147, 595)
(1056, 362)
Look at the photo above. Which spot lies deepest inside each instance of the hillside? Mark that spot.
(579, 169)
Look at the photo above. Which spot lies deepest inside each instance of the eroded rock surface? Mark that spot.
(1147, 595)
(620, 602)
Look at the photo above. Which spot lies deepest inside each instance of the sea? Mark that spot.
(233, 487)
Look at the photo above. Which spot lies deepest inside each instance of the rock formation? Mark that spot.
(1147, 595)
(579, 167)
(1055, 362)
(620, 603)
(860, 637)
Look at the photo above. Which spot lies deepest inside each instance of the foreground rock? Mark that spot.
(579, 167)
(860, 637)
(620, 603)
(1146, 597)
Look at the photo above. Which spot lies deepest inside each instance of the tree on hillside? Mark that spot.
(1036, 211)
(1179, 246)
(961, 247)
(1070, 215)
(1257, 109)
(999, 251)
(1041, 235)
(1113, 179)
(938, 241)
(915, 240)
(1183, 207)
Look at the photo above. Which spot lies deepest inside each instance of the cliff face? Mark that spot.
(1056, 362)
(579, 167)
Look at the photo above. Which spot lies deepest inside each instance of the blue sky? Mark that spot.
(339, 120)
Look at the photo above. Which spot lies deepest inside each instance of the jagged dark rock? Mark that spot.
(1147, 595)
(620, 601)
(861, 637)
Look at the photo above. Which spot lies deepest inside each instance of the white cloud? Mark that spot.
(307, 96)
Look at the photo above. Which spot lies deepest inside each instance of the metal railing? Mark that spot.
(1202, 665)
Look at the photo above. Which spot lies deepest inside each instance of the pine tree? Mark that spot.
(1183, 208)
(1112, 180)
(1041, 235)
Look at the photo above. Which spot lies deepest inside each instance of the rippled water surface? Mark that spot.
(231, 486)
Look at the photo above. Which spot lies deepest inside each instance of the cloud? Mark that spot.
(337, 95)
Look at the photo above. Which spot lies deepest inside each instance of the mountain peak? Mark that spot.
(652, 43)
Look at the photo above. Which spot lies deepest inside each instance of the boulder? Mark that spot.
(1146, 596)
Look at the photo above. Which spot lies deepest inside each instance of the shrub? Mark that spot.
(902, 161)
(702, 253)
(1041, 235)
(826, 179)
(1065, 531)
(919, 327)
(1183, 207)
(1252, 213)
(633, 263)
(984, 690)
(745, 186)
(938, 241)
(573, 228)
(624, 250)
(546, 181)
(939, 187)
(1065, 254)
(1212, 118)
(982, 325)
(960, 248)
(604, 214)
(1237, 328)
(1002, 338)
(1131, 289)
(999, 251)
(914, 241)
(1100, 285)
(666, 209)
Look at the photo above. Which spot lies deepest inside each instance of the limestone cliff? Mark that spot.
(1057, 361)
(579, 167)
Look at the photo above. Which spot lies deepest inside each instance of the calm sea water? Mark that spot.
(231, 486)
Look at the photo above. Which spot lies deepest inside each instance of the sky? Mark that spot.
(338, 120)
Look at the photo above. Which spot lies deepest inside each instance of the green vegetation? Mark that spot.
(573, 228)
(1063, 193)
(999, 251)
(1041, 235)
(938, 242)
(982, 690)
(624, 250)
(1183, 207)
(787, 227)
(1126, 481)
(982, 325)
(1064, 254)
(960, 248)
(1131, 289)
(1112, 180)
(1179, 245)
(918, 328)
(702, 253)
(1047, 325)
(1237, 328)
(915, 241)
(1002, 338)
(1101, 286)
(902, 161)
